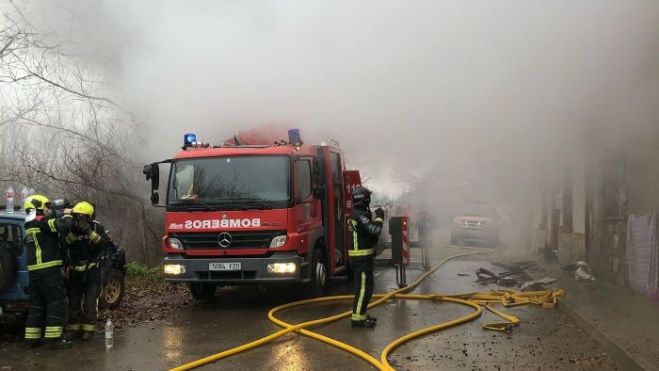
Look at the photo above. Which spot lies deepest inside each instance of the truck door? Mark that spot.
(338, 209)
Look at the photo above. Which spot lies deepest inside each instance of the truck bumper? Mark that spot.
(253, 270)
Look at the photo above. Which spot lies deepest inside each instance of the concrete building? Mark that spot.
(585, 201)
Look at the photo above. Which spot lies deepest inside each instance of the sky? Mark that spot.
(410, 89)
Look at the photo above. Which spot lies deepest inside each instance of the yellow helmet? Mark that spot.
(37, 202)
(84, 208)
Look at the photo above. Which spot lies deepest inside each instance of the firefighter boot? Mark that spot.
(59, 344)
(367, 323)
(87, 336)
(31, 344)
(72, 335)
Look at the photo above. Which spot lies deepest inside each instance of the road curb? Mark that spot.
(622, 357)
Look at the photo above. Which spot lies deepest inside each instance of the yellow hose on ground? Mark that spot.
(474, 300)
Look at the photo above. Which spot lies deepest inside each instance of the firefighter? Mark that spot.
(365, 234)
(44, 263)
(85, 245)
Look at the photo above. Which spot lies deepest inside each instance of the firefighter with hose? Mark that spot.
(365, 233)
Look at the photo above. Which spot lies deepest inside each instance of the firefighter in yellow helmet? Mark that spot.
(85, 245)
(47, 314)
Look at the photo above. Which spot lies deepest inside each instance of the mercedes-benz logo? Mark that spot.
(224, 239)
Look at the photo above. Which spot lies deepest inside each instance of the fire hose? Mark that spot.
(476, 300)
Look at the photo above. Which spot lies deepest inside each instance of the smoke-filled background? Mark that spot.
(438, 102)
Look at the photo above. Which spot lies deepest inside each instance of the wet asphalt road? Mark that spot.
(545, 340)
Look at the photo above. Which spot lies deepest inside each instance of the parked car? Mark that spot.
(14, 281)
(14, 300)
(476, 223)
(114, 273)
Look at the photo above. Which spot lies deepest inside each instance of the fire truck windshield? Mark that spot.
(236, 182)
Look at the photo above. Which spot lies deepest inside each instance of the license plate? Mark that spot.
(224, 266)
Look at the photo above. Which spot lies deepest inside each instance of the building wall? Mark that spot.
(572, 247)
(579, 194)
(642, 176)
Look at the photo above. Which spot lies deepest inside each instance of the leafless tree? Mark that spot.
(61, 133)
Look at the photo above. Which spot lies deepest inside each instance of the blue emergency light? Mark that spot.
(189, 139)
(294, 136)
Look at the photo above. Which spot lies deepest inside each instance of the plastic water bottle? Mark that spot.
(109, 333)
(9, 196)
(24, 195)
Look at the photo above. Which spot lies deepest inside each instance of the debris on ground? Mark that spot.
(512, 277)
(463, 275)
(485, 275)
(149, 303)
(537, 285)
(507, 282)
(583, 272)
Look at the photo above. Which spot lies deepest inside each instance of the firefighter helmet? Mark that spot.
(84, 208)
(361, 196)
(36, 202)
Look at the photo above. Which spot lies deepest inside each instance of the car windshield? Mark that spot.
(231, 182)
(482, 210)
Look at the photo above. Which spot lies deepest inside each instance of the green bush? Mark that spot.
(136, 270)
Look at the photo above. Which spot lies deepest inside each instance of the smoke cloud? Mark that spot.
(484, 91)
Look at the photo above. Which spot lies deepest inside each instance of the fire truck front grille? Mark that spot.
(238, 240)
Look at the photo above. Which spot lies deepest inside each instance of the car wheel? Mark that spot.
(113, 290)
(318, 273)
(7, 267)
(203, 291)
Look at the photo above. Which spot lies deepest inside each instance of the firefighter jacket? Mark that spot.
(84, 251)
(365, 233)
(42, 241)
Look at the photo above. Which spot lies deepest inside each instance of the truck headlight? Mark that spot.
(282, 267)
(279, 241)
(174, 269)
(174, 243)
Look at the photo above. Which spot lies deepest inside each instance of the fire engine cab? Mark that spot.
(255, 210)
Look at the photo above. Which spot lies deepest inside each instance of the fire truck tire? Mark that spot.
(7, 267)
(203, 291)
(318, 273)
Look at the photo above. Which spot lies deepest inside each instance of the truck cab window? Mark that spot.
(303, 180)
(232, 181)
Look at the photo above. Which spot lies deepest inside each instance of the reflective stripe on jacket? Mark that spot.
(42, 241)
(365, 233)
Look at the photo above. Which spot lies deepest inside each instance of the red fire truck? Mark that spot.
(255, 210)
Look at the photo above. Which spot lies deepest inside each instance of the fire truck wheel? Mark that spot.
(203, 291)
(318, 272)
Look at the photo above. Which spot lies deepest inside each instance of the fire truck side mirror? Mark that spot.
(152, 172)
(155, 198)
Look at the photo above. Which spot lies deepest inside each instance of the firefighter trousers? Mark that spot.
(84, 291)
(363, 274)
(47, 312)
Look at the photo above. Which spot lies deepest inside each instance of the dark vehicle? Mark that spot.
(477, 223)
(113, 267)
(14, 300)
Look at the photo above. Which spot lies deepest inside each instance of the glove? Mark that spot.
(379, 213)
